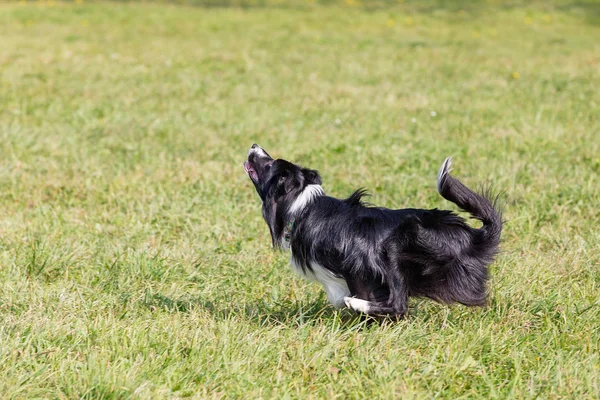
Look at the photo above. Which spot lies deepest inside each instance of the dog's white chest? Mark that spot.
(336, 288)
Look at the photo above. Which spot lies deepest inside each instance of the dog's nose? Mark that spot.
(257, 151)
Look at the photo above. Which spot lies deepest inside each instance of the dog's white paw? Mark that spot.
(357, 305)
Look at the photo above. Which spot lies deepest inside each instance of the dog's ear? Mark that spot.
(311, 176)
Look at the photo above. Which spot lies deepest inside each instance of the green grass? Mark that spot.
(134, 262)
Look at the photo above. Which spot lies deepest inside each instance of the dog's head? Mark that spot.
(279, 183)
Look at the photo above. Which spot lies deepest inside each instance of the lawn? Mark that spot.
(134, 262)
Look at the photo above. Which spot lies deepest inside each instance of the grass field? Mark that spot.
(134, 262)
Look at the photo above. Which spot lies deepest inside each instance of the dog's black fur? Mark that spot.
(378, 256)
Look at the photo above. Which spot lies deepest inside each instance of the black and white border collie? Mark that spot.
(371, 259)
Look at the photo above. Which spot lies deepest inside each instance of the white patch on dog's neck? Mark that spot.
(307, 195)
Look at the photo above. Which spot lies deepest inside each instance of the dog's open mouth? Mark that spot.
(251, 172)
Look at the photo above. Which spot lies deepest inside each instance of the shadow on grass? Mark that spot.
(588, 9)
(261, 313)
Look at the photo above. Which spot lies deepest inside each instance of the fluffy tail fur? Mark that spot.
(479, 206)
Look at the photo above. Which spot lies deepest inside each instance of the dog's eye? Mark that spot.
(282, 178)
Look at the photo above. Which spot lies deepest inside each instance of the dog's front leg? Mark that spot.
(374, 308)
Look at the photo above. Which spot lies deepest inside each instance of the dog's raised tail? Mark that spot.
(480, 206)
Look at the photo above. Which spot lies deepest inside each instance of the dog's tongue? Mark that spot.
(250, 171)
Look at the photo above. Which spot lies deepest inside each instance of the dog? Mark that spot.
(372, 259)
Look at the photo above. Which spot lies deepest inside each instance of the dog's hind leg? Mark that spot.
(396, 281)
